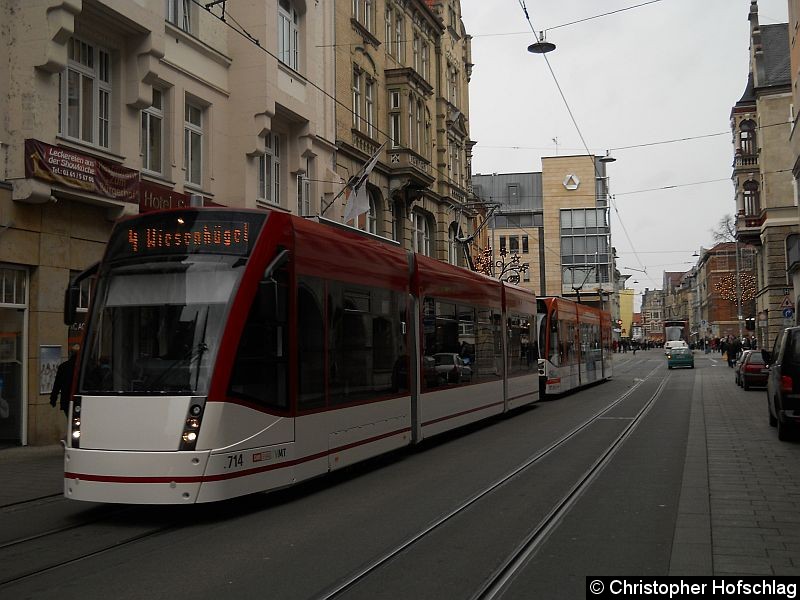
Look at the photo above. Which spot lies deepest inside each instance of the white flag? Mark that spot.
(357, 196)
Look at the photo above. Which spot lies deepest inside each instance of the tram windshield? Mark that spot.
(156, 325)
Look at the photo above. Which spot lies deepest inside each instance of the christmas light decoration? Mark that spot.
(726, 287)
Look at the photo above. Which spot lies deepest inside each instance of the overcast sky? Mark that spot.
(671, 69)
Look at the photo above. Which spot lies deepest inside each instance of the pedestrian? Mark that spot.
(62, 386)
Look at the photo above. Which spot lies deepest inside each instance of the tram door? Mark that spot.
(13, 307)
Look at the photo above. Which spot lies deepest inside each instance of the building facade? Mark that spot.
(766, 196)
(402, 76)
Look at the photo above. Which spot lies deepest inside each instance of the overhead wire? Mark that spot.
(578, 129)
(253, 40)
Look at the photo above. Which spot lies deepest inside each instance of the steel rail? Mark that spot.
(502, 577)
(361, 573)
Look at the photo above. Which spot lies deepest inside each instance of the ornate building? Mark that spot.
(402, 75)
(766, 204)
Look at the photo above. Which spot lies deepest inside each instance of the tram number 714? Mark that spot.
(234, 461)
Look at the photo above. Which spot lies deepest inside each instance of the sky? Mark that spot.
(667, 70)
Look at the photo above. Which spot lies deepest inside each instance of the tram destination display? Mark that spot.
(186, 232)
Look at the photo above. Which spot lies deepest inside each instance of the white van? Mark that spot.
(674, 344)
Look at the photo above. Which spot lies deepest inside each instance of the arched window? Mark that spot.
(453, 247)
(369, 221)
(421, 233)
(747, 137)
(752, 202)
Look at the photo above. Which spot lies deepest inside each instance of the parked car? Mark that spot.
(783, 382)
(753, 370)
(737, 367)
(450, 367)
(680, 357)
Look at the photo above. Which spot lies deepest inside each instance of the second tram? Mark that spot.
(574, 345)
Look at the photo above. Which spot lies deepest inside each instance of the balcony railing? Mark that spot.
(745, 160)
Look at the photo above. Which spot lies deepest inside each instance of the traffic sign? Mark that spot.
(786, 302)
(788, 313)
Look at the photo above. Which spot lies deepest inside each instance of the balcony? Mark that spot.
(404, 161)
(745, 161)
(748, 227)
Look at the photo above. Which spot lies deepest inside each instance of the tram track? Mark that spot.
(519, 556)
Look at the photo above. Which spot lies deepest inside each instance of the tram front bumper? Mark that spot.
(133, 477)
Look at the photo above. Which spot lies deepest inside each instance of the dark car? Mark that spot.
(753, 371)
(680, 357)
(783, 382)
(737, 367)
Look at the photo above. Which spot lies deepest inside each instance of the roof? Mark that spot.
(775, 45)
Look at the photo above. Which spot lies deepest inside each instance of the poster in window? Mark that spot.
(49, 359)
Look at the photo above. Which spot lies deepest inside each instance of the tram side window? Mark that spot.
(567, 336)
(555, 345)
(365, 342)
(260, 368)
(451, 343)
(310, 343)
(522, 352)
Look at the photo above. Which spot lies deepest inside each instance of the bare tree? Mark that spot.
(725, 230)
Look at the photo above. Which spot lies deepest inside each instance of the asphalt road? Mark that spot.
(300, 543)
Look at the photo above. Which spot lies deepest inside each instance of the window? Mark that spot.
(415, 51)
(366, 345)
(453, 245)
(425, 72)
(369, 107)
(303, 195)
(513, 194)
(419, 128)
(152, 135)
(193, 143)
(369, 221)
(179, 13)
(388, 32)
(288, 34)
(394, 118)
(513, 244)
(86, 85)
(356, 99)
(525, 249)
(367, 22)
(463, 345)
(502, 244)
(260, 370)
(421, 234)
(269, 184)
(752, 203)
(522, 352)
(747, 137)
(398, 36)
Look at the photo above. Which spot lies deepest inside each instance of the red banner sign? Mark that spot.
(80, 171)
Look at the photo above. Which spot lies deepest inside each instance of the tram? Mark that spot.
(228, 352)
(675, 330)
(575, 345)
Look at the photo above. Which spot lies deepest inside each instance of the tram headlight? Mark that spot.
(75, 422)
(191, 425)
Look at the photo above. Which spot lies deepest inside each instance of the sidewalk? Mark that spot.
(29, 472)
(739, 510)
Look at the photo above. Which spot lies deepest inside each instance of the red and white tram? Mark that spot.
(228, 352)
(575, 345)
